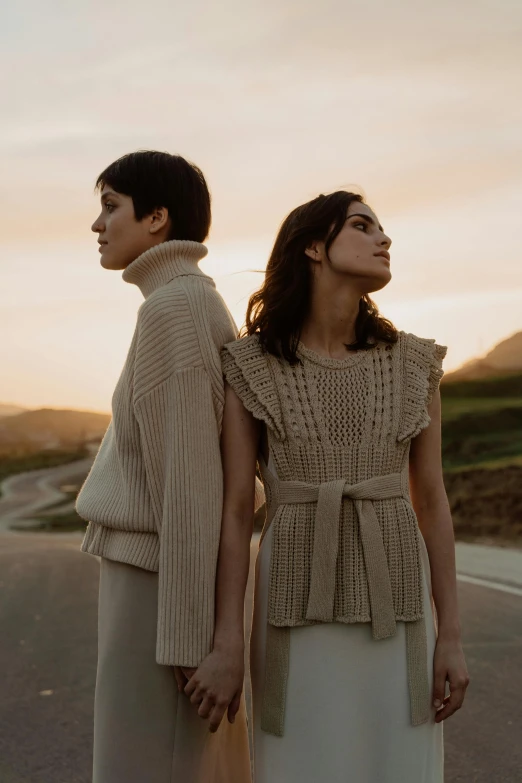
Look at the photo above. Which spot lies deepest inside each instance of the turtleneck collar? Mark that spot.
(162, 263)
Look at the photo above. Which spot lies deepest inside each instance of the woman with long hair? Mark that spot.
(356, 656)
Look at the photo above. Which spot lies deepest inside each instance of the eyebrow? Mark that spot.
(107, 194)
(368, 218)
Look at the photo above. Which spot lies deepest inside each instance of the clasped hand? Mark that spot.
(215, 687)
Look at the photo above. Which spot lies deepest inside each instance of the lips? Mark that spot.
(384, 254)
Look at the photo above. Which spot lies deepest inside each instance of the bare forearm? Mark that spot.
(437, 530)
(232, 576)
(432, 509)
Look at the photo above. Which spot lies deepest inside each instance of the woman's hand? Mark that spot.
(217, 685)
(449, 665)
(183, 675)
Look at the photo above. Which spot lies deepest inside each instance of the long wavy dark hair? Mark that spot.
(278, 310)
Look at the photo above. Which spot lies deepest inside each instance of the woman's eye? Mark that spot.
(360, 225)
(109, 207)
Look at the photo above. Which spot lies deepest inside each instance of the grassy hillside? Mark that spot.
(482, 422)
(500, 386)
(482, 457)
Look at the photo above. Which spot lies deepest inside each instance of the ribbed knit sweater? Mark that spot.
(345, 543)
(153, 497)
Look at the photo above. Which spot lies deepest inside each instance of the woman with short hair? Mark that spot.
(154, 495)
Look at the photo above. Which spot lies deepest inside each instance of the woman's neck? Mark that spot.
(330, 324)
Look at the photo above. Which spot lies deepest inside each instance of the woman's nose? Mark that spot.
(97, 226)
(386, 241)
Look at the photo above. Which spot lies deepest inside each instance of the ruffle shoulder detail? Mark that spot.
(246, 367)
(422, 375)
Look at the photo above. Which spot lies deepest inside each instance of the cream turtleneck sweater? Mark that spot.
(154, 495)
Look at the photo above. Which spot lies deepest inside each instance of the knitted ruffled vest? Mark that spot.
(345, 544)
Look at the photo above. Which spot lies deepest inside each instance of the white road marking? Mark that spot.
(475, 580)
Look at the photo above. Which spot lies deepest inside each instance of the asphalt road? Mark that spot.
(48, 595)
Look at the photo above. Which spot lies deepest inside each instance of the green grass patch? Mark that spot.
(506, 386)
(454, 407)
(483, 434)
(488, 464)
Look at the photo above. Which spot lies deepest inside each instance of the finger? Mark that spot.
(439, 687)
(205, 708)
(444, 714)
(440, 710)
(216, 717)
(452, 703)
(233, 707)
(180, 678)
(188, 671)
(191, 686)
(198, 696)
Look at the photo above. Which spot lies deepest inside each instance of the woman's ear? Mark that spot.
(159, 219)
(313, 251)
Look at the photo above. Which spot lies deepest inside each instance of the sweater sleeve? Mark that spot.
(422, 373)
(186, 485)
(178, 390)
(246, 369)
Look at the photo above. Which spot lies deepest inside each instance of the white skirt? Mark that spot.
(347, 716)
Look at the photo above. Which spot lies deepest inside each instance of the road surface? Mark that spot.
(48, 597)
(48, 594)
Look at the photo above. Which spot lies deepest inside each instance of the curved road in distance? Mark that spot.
(27, 494)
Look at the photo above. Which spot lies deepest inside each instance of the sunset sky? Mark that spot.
(416, 103)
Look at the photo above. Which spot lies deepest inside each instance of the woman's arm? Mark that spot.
(432, 509)
(218, 682)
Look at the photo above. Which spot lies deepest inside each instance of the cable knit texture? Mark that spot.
(345, 545)
(350, 419)
(154, 495)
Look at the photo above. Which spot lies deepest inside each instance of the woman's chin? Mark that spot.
(379, 281)
(111, 263)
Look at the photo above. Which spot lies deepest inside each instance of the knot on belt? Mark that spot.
(329, 497)
(320, 608)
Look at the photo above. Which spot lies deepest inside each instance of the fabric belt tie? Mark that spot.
(329, 498)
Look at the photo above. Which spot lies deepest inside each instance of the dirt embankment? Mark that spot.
(487, 505)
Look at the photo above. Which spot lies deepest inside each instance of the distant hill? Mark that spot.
(49, 428)
(504, 359)
(6, 409)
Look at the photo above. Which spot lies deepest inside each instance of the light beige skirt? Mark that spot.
(347, 714)
(144, 730)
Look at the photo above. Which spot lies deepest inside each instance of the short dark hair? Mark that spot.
(157, 179)
(278, 310)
